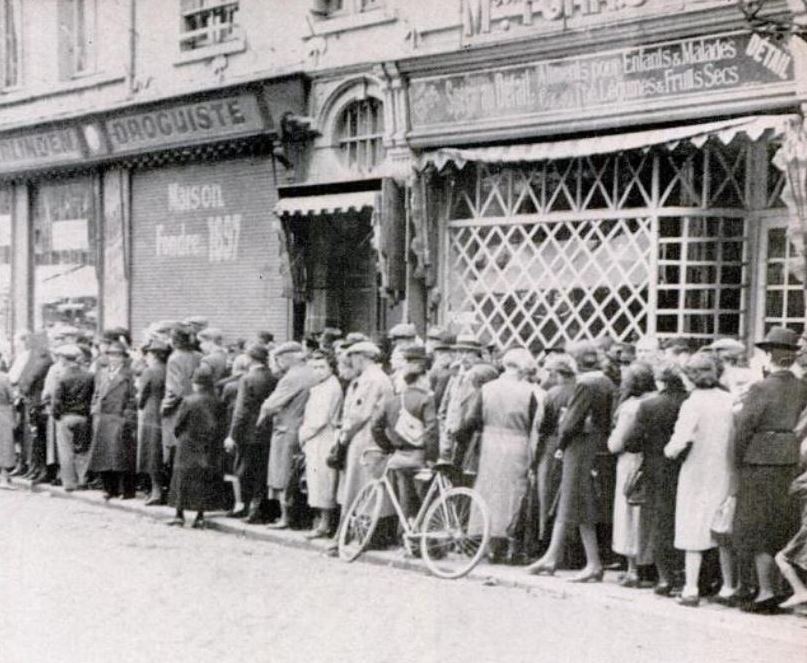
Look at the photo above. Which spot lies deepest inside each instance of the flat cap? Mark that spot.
(468, 342)
(367, 348)
(68, 351)
(356, 337)
(258, 352)
(287, 347)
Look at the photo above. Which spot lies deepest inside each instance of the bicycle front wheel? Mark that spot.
(360, 521)
(455, 533)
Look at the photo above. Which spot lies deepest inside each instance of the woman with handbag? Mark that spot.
(766, 453)
(631, 523)
(702, 432)
(652, 430)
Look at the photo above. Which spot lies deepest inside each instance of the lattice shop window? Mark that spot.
(702, 276)
(784, 283)
(776, 179)
(208, 22)
(360, 132)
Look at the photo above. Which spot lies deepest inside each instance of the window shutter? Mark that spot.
(66, 38)
(393, 224)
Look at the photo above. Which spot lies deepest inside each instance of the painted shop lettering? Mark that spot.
(187, 198)
(219, 245)
(204, 117)
(772, 57)
(38, 146)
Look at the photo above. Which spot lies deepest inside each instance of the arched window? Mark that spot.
(360, 133)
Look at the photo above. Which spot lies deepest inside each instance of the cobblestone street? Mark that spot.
(83, 583)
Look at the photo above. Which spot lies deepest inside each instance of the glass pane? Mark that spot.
(667, 324)
(729, 324)
(702, 251)
(795, 303)
(700, 299)
(732, 251)
(669, 227)
(774, 304)
(731, 275)
(701, 274)
(777, 241)
(65, 248)
(699, 324)
(795, 271)
(775, 273)
(668, 299)
(733, 227)
(731, 299)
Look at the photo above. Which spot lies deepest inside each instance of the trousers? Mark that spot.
(72, 434)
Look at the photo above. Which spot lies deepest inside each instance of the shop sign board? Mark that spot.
(185, 124)
(40, 149)
(669, 72)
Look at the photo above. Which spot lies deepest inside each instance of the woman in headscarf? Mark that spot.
(505, 411)
(630, 527)
(653, 428)
(702, 431)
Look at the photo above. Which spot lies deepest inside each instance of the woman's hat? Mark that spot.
(117, 348)
(780, 338)
(258, 352)
(414, 353)
(157, 346)
(468, 342)
(287, 347)
(367, 348)
(203, 376)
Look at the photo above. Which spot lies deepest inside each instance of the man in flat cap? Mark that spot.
(70, 407)
(285, 408)
(404, 333)
(214, 354)
(467, 352)
(439, 345)
(250, 442)
(363, 398)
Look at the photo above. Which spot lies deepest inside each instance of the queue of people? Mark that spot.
(677, 465)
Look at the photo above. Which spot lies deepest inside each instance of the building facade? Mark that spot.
(535, 170)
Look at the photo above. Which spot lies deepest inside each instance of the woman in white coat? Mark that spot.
(318, 434)
(703, 431)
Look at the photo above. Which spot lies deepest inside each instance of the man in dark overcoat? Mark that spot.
(251, 443)
(114, 411)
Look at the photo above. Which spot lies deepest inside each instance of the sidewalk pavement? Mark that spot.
(790, 628)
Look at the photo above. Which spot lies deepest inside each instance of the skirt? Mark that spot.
(7, 456)
(320, 479)
(767, 514)
(197, 490)
(579, 503)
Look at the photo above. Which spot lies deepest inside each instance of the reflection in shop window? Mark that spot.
(65, 238)
(5, 267)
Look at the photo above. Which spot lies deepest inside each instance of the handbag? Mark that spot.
(337, 456)
(723, 522)
(635, 489)
(409, 427)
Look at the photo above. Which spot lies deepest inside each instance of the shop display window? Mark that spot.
(65, 248)
(784, 282)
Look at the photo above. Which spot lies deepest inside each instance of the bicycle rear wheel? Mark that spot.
(455, 533)
(360, 521)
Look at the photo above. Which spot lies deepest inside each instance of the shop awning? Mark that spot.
(697, 134)
(326, 204)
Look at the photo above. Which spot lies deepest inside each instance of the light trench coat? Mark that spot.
(318, 434)
(364, 397)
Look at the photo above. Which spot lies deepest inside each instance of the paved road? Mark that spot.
(86, 584)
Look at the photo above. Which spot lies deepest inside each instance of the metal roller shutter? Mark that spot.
(203, 244)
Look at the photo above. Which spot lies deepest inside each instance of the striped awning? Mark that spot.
(333, 203)
(754, 127)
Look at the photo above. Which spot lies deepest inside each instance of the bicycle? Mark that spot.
(452, 525)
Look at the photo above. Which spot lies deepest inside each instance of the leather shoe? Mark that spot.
(19, 471)
(587, 576)
(154, 500)
(663, 589)
(241, 513)
(689, 601)
(765, 607)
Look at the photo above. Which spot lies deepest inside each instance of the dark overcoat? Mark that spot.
(114, 415)
(253, 389)
(652, 430)
(197, 482)
(150, 393)
(178, 375)
(767, 515)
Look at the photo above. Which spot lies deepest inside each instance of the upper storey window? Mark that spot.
(360, 134)
(77, 38)
(206, 23)
(341, 7)
(10, 44)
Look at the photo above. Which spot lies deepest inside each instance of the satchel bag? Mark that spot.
(723, 522)
(772, 448)
(635, 489)
(409, 427)
(337, 457)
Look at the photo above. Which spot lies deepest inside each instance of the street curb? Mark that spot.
(791, 628)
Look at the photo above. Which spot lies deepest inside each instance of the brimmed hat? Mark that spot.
(197, 322)
(445, 341)
(157, 346)
(181, 335)
(468, 342)
(69, 351)
(401, 331)
(355, 337)
(780, 338)
(210, 334)
(725, 345)
(435, 333)
(117, 348)
(367, 348)
(258, 352)
(414, 353)
(287, 347)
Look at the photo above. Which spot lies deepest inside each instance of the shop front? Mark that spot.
(646, 214)
(153, 212)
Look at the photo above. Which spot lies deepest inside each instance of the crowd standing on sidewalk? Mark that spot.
(677, 465)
